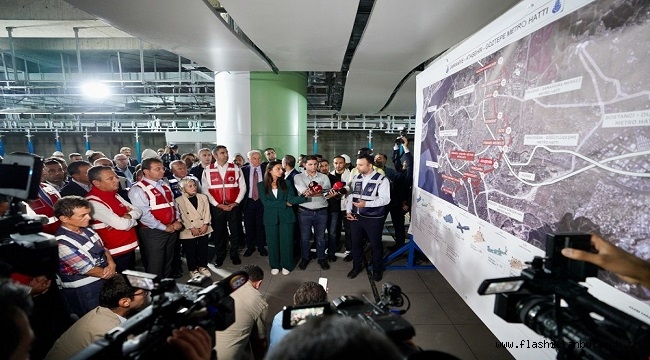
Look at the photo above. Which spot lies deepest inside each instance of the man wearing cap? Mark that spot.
(127, 152)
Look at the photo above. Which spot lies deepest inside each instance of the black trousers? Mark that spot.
(371, 228)
(254, 224)
(221, 222)
(158, 248)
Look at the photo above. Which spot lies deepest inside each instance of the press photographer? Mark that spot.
(587, 328)
(176, 314)
(343, 325)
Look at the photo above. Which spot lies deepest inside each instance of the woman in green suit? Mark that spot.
(277, 198)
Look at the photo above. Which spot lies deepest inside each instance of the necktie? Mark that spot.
(256, 179)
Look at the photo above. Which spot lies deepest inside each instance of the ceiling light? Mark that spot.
(95, 90)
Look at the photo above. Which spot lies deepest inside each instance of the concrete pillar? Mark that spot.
(257, 110)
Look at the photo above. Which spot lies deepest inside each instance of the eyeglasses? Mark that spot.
(141, 292)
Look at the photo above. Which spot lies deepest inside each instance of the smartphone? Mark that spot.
(323, 282)
(293, 316)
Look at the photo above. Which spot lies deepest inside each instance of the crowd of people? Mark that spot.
(100, 210)
(171, 205)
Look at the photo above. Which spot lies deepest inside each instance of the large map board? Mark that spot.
(538, 123)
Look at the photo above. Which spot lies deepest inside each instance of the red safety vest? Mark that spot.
(162, 205)
(224, 191)
(117, 241)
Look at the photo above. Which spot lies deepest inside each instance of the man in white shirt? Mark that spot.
(225, 187)
(365, 209)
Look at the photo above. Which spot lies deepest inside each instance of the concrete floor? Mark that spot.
(442, 320)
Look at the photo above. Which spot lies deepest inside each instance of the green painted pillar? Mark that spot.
(278, 105)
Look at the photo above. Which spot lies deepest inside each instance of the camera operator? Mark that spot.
(117, 302)
(626, 266)
(308, 293)
(335, 337)
(15, 306)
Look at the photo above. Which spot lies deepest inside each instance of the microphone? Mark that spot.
(315, 187)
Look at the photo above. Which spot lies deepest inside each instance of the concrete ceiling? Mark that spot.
(290, 35)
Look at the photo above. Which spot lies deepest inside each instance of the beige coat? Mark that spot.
(191, 217)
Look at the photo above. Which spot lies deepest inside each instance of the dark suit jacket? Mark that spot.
(72, 188)
(291, 175)
(276, 210)
(246, 171)
(197, 171)
(133, 162)
(131, 169)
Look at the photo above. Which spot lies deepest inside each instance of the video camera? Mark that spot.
(22, 245)
(399, 140)
(144, 336)
(379, 316)
(534, 298)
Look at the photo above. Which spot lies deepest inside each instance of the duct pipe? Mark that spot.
(63, 70)
(13, 52)
(119, 68)
(141, 61)
(76, 38)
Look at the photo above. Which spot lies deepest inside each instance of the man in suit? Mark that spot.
(253, 209)
(79, 185)
(53, 174)
(223, 184)
(270, 155)
(289, 166)
(122, 165)
(205, 160)
(127, 152)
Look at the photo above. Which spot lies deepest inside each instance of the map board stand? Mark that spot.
(411, 247)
